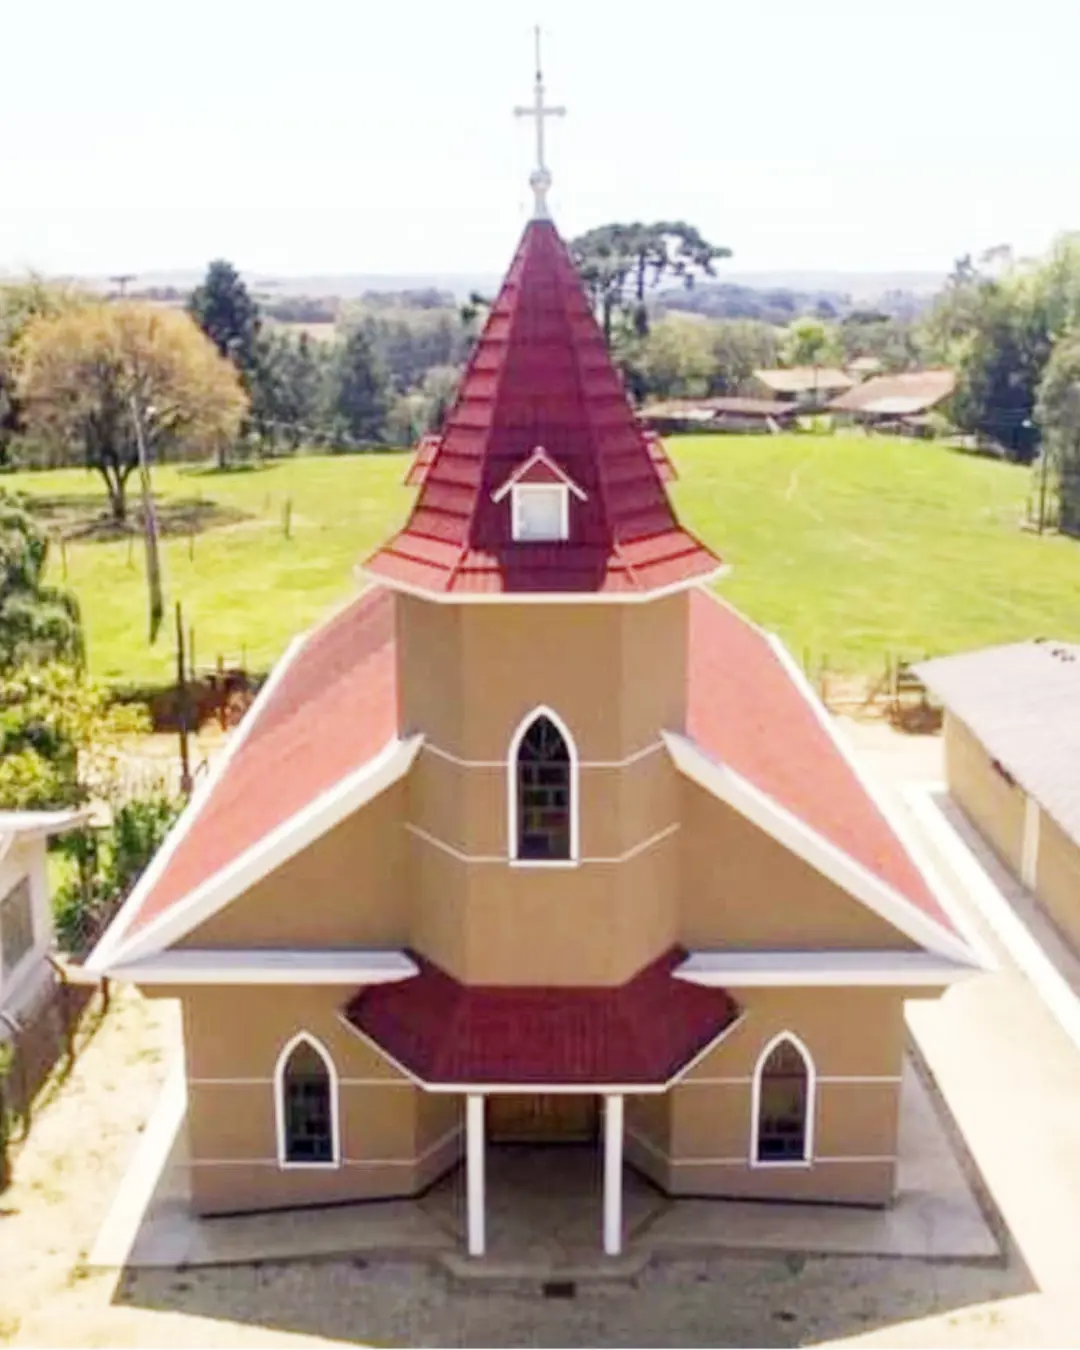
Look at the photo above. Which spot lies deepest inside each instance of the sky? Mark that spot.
(368, 136)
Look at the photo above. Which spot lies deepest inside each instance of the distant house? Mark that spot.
(863, 367)
(897, 402)
(26, 929)
(805, 387)
(1012, 760)
(719, 414)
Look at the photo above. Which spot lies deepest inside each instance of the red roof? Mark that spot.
(744, 709)
(333, 708)
(421, 461)
(445, 1032)
(540, 374)
(660, 458)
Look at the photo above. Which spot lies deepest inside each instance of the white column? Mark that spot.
(1029, 854)
(474, 1173)
(613, 1174)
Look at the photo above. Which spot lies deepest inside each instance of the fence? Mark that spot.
(46, 1039)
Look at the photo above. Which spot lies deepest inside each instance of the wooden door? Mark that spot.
(543, 1118)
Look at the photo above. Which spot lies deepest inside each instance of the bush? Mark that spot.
(108, 863)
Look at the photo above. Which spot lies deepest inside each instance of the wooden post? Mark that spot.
(182, 704)
(63, 557)
(286, 518)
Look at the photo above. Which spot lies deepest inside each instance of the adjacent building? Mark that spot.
(1012, 760)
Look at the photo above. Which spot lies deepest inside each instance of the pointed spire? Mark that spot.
(540, 376)
(540, 178)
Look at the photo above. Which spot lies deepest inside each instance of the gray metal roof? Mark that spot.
(1023, 703)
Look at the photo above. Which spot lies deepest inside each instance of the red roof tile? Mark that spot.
(334, 708)
(644, 1031)
(660, 458)
(540, 374)
(421, 461)
(744, 709)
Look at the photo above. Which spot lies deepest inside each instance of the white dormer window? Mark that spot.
(541, 511)
(539, 492)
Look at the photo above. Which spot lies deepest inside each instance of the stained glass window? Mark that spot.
(783, 1096)
(307, 1107)
(544, 787)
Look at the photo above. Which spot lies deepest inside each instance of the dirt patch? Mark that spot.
(80, 516)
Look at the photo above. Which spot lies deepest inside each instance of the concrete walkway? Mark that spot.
(1005, 1062)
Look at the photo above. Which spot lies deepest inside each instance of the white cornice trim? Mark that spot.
(502, 859)
(99, 959)
(289, 838)
(542, 597)
(794, 834)
(624, 763)
(812, 969)
(340, 966)
(978, 951)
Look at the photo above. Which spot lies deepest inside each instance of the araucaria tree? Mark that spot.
(224, 310)
(82, 374)
(619, 264)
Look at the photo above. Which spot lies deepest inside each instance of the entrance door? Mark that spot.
(543, 1118)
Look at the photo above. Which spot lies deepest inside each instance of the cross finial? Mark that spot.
(540, 178)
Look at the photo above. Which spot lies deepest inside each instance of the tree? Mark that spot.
(1058, 417)
(739, 347)
(60, 738)
(893, 342)
(358, 390)
(811, 342)
(676, 358)
(20, 303)
(81, 370)
(618, 264)
(225, 311)
(288, 393)
(38, 623)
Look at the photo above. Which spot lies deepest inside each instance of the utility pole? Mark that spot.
(182, 704)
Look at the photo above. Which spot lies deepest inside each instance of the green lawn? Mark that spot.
(849, 547)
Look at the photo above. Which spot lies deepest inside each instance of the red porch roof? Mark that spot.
(540, 374)
(448, 1033)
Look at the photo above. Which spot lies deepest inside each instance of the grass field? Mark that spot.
(849, 547)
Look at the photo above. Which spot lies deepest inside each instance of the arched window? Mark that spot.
(306, 1100)
(543, 788)
(783, 1107)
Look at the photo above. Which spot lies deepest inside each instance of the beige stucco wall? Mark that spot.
(698, 1140)
(614, 673)
(348, 888)
(1057, 877)
(740, 888)
(995, 805)
(394, 1139)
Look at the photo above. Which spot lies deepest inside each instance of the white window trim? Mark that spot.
(519, 495)
(287, 1164)
(541, 710)
(807, 1160)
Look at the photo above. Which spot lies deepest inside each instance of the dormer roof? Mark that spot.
(538, 470)
(540, 375)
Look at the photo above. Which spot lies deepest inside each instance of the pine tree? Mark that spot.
(358, 390)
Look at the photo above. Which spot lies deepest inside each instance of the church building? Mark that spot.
(539, 839)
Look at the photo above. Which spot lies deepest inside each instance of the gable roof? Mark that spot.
(326, 720)
(448, 1034)
(539, 468)
(1022, 701)
(912, 391)
(803, 379)
(540, 374)
(751, 711)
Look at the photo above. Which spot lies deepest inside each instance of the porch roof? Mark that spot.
(444, 1033)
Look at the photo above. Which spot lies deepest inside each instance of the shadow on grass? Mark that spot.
(79, 516)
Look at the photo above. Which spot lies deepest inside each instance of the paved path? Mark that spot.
(1007, 1067)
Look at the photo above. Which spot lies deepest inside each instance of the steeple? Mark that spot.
(542, 483)
(540, 178)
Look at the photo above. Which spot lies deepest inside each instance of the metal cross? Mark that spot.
(540, 178)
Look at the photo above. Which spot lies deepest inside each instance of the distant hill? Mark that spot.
(858, 286)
